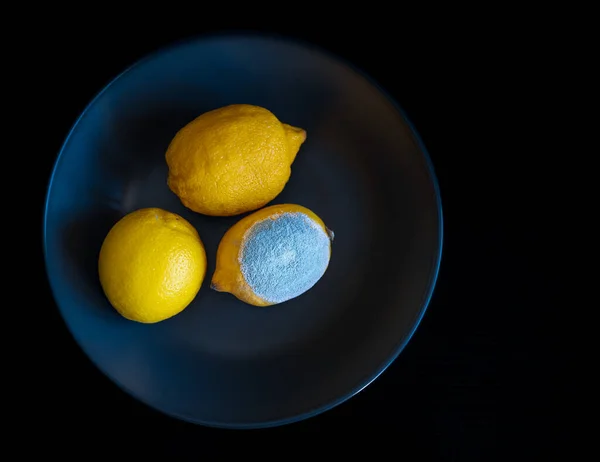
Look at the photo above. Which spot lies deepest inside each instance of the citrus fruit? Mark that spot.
(151, 265)
(232, 160)
(273, 255)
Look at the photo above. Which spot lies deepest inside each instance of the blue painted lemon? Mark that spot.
(273, 255)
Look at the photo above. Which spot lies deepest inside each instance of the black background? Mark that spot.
(481, 375)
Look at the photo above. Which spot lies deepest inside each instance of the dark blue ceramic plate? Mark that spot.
(362, 169)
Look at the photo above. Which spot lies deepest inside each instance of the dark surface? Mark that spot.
(483, 376)
(362, 170)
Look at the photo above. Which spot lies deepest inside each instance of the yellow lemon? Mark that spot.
(273, 255)
(232, 160)
(151, 265)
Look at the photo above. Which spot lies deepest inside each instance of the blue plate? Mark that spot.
(362, 169)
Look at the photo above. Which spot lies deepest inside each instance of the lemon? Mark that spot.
(232, 160)
(273, 255)
(151, 265)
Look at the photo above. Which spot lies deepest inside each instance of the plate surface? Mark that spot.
(362, 169)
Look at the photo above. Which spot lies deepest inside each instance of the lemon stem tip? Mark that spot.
(330, 233)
